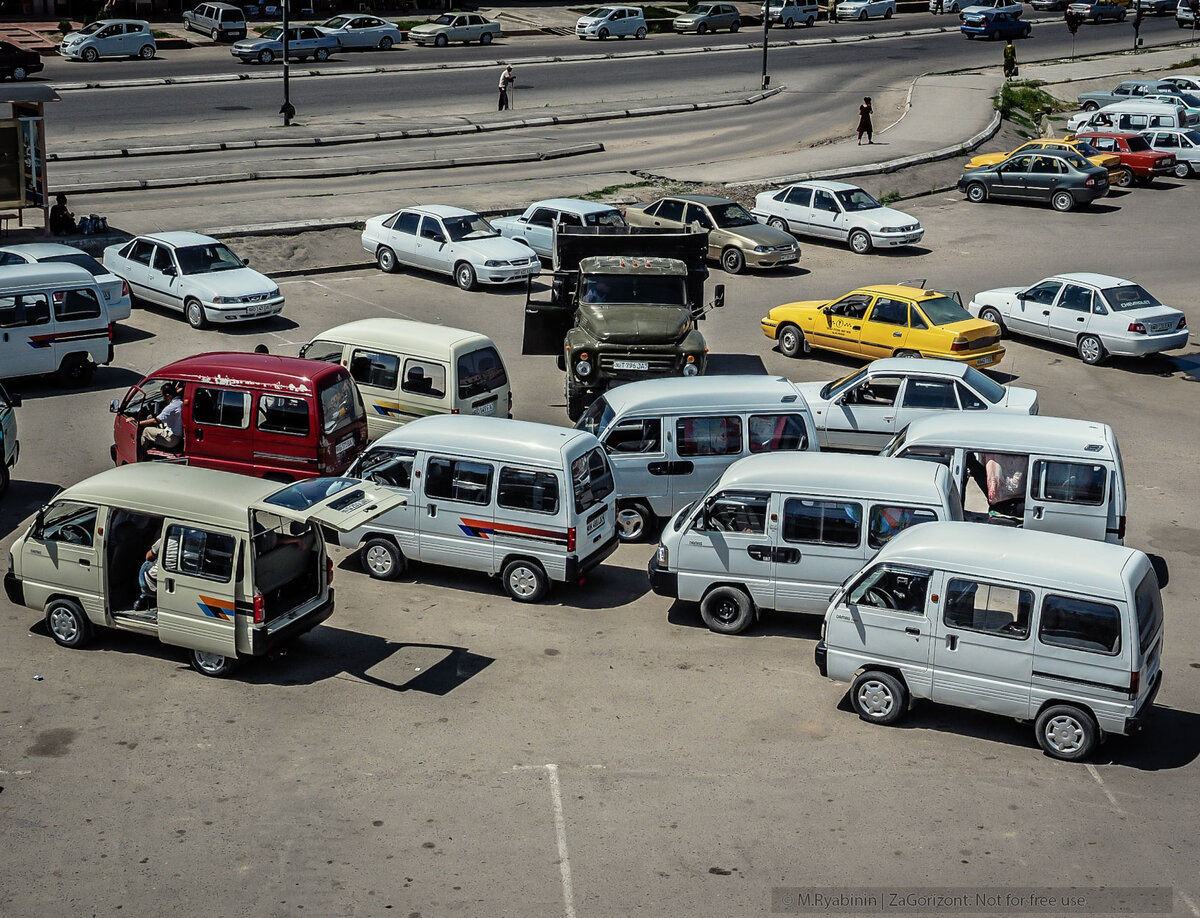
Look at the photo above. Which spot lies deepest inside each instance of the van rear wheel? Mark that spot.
(68, 623)
(878, 698)
(212, 664)
(525, 581)
(382, 559)
(727, 610)
(75, 370)
(1067, 732)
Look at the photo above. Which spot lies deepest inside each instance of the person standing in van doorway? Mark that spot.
(507, 79)
(166, 430)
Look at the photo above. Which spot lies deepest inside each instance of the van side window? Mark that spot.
(479, 372)
(825, 522)
(886, 521)
(67, 521)
(372, 368)
(424, 378)
(716, 436)
(325, 351)
(772, 432)
(986, 607)
(201, 554)
(524, 489)
(898, 589)
(390, 467)
(20, 311)
(283, 414)
(738, 511)
(1069, 482)
(458, 479)
(1080, 624)
(635, 436)
(73, 305)
(221, 407)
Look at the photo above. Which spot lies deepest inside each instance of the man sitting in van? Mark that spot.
(165, 431)
(148, 575)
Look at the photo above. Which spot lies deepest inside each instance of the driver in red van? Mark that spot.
(166, 430)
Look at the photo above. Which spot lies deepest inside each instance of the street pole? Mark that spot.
(287, 109)
(766, 79)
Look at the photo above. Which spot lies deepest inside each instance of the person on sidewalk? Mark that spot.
(1010, 60)
(864, 120)
(62, 221)
(507, 78)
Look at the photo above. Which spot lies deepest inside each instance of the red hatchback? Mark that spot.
(1143, 164)
(281, 418)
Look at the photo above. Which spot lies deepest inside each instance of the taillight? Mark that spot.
(1135, 683)
(259, 609)
(1182, 324)
(454, 411)
(1137, 328)
(124, 287)
(110, 331)
(959, 344)
(1121, 529)
(323, 450)
(328, 570)
(1091, 181)
(571, 539)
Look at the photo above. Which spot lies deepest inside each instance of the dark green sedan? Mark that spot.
(1065, 180)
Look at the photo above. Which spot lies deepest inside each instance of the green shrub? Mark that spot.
(64, 26)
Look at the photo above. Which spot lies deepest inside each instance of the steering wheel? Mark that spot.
(75, 534)
(877, 597)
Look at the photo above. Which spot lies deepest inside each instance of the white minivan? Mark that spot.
(617, 21)
(408, 370)
(1130, 116)
(1030, 625)
(531, 502)
(53, 319)
(669, 439)
(1055, 474)
(781, 531)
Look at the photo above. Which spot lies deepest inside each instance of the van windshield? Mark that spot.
(597, 418)
(1149, 609)
(591, 479)
(340, 405)
(479, 372)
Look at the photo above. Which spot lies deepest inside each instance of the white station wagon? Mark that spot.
(451, 241)
(835, 210)
(1096, 314)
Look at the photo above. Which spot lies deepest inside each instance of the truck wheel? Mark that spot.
(75, 370)
(791, 341)
(1091, 350)
(878, 698)
(727, 610)
(576, 400)
(212, 664)
(382, 559)
(733, 261)
(68, 623)
(1062, 201)
(194, 312)
(634, 521)
(525, 581)
(860, 242)
(1067, 732)
(464, 276)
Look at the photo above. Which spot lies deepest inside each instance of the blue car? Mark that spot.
(994, 25)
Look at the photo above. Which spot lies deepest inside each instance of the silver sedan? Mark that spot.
(355, 31)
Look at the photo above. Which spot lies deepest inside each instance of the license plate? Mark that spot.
(345, 445)
(787, 258)
(631, 364)
(489, 408)
(984, 361)
(595, 523)
(1162, 327)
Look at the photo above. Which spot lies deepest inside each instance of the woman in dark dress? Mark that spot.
(864, 120)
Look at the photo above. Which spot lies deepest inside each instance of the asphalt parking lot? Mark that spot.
(439, 750)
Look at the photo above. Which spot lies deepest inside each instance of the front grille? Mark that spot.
(657, 364)
(256, 297)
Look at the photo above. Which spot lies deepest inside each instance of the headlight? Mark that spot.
(691, 370)
(223, 299)
(274, 292)
(760, 249)
(583, 368)
(661, 557)
(493, 263)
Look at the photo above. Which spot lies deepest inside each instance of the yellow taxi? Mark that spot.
(888, 320)
(1068, 142)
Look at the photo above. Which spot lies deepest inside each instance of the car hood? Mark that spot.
(883, 216)
(634, 324)
(760, 234)
(812, 394)
(252, 44)
(497, 247)
(689, 18)
(589, 21)
(427, 28)
(807, 309)
(238, 282)
(998, 295)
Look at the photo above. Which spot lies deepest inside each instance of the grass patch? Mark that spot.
(890, 198)
(1023, 102)
(405, 24)
(159, 33)
(1189, 64)
(613, 189)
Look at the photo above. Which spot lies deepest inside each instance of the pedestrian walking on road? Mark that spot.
(939, 7)
(864, 120)
(507, 79)
(1010, 61)
(833, 11)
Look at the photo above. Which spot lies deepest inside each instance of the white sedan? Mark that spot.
(196, 274)
(1096, 314)
(116, 290)
(835, 210)
(359, 31)
(864, 410)
(866, 9)
(451, 241)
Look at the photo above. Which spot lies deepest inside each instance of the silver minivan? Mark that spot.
(669, 439)
(1030, 625)
(217, 20)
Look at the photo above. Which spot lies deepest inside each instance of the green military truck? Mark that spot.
(624, 303)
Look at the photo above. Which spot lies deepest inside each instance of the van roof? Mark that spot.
(700, 392)
(263, 371)
(486, 438)
(996, 430)
(199, 495)
(424, 337)
(56, 274)
(1014, 555)
(1141, 107)
(826, 473)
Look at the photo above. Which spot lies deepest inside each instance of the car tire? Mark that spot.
(1091, 350)
(193, 311)
(887, 14)
(1090, 106)
(789, 23)
(441, 41)
(18, 74)
(1066, 732)
(464, 276)
(734, 28)
(382, 559)
(213, 665)
(187, 25)
(908, 354)
(146, 53)
(727, 610)
(1127, 179)
(791, 341)
(485, 38)
(1062, 201)
(386, 259)
(779, 223)
(702, 28)
(859, 242)
(525, 581)
(321, 54)
(74, 371)
(602, 34)
(988, 314)
(68, 623)
(641, 33)
(878, 697)
(977, 193)
(216, 34)
(635, 521)
(862, 17)
(733, 261)
(91, 55)
(385, 43)
(810, 22)
(266, 56)
(1183, 170)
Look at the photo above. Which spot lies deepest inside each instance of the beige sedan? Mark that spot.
(735, 238)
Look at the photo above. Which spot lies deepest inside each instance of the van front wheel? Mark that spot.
(878, 698)
(634, 521)
(727, 610)
(1067, 732)
(212, 664)
(382, 559)
(525, 581)
(68, 623)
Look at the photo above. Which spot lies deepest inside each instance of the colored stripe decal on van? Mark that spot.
(216, 608)
(393, 409)
(42, 341)
(479, 529)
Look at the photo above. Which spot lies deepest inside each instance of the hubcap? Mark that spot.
(875, 698)
(1064, 734)
(1090, 348)
(631, 523)
(726, 611)
(63, 623)
(379, 559)
(209, 662)
(194, 314)
(522, 581)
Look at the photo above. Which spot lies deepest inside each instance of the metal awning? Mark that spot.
(27, 92)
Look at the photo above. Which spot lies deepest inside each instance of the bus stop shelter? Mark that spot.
(23, 152)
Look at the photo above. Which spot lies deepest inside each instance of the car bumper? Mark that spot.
(771, 259)
(981, 360)
(14, 589)
(663, 583)
(242, 312)
(577, 568)
(71, 53)
(506, 275)
(770, 328)
(247, 56)
(263, 640)
(891, 240)
(1141, 345)
(1135, 723)
(821, 658)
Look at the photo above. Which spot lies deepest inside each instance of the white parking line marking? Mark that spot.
(1107, 793)
(560, 832)
(343, 293)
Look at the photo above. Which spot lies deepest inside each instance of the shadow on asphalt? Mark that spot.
(735, 365)
(35, 387)
(22, 500)
(772, 624)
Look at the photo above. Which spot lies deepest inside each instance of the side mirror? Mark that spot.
(245, 261)
(39, 524)
(438, 238)
(718, 296)
(1023, 295)
(114, 406)
(169, 271)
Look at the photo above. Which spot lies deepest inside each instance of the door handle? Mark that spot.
(1038, 512)
(1045, 312)
(952, 642)
(199, 434)
(856, 327)
(889, 417)
(912, 630)
(169, 583)
(897, 334)
(1080, 318)
(759, 552)
(659, 468)
(84, 562)
(432, 509)
(787, 555)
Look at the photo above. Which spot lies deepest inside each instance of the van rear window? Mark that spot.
(283, 414)
(479, 372)
(591, 479)
(340, 405)
(1080, 624)
(1149, 609)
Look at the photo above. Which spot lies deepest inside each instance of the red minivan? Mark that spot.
(281, 418)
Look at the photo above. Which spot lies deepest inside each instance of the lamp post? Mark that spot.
(766, 8)
(287, 109)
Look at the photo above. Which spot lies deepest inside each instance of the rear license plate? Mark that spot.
(346, 444)
(489, 408)
(1162, 327)
(595, 523)
(631, 365)
(984, 361)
